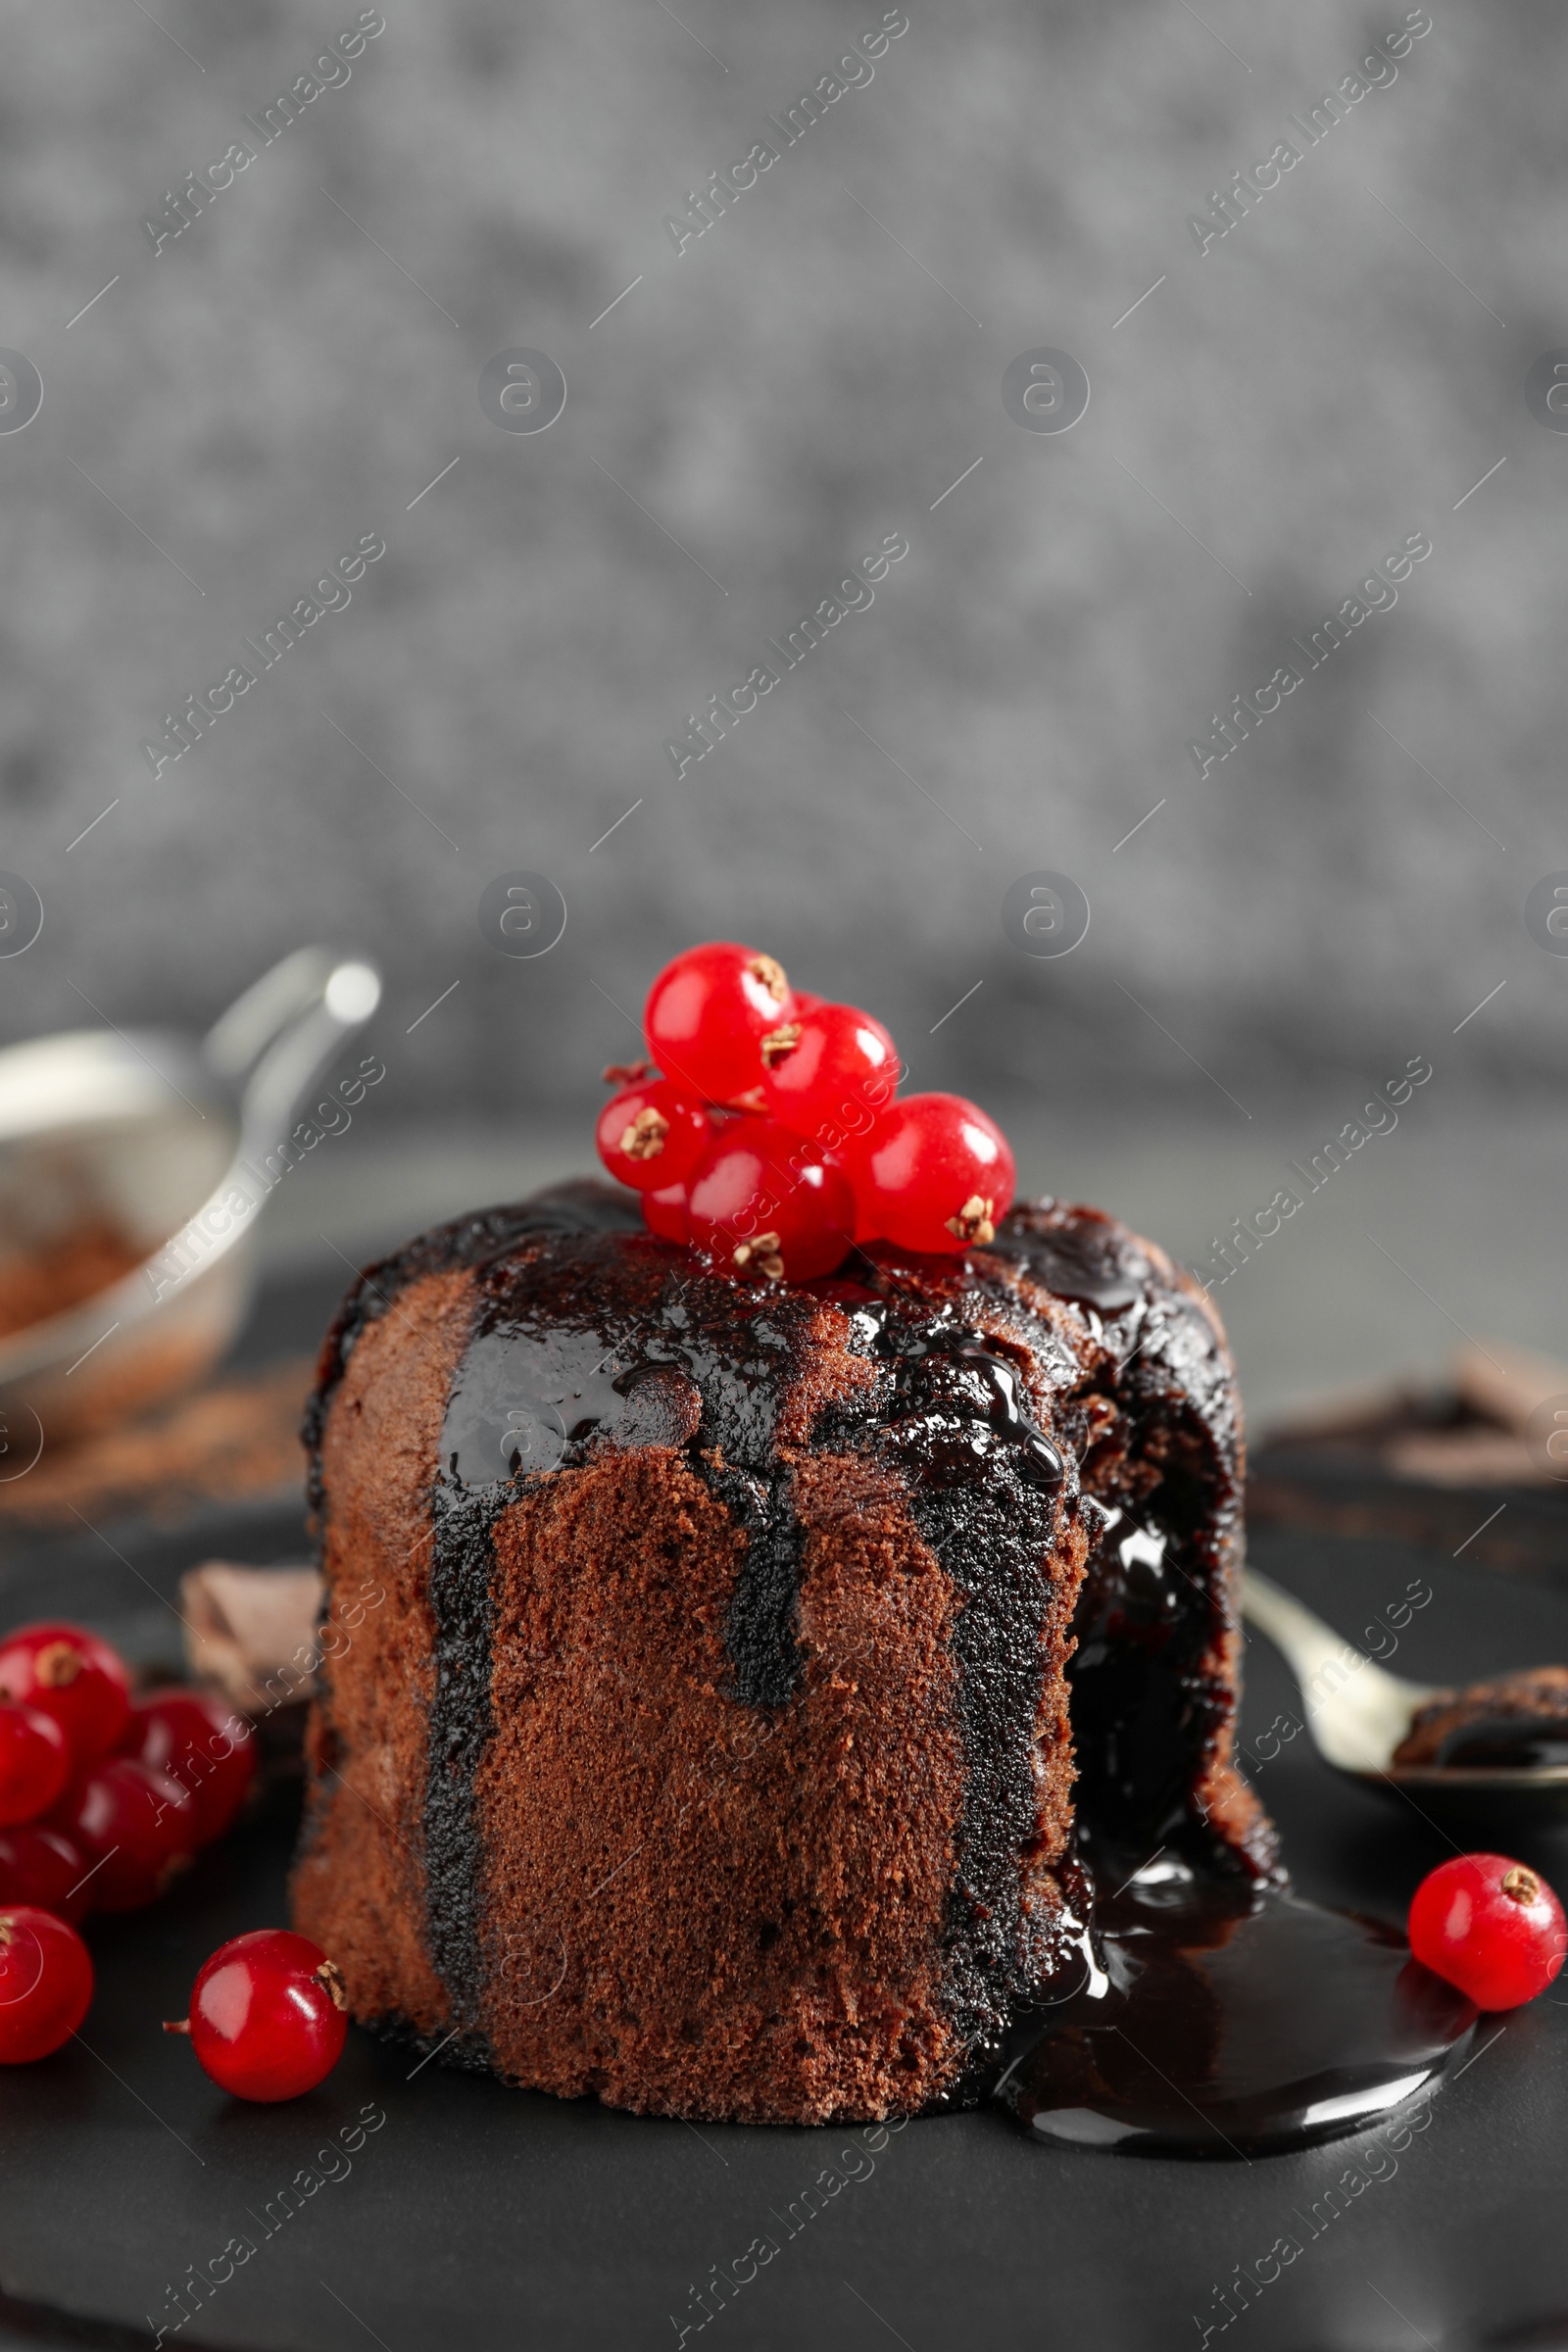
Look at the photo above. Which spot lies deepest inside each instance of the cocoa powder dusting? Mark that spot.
(236, 1439)
(57, 1274)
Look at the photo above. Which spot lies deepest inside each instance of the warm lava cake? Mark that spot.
(765, 1671)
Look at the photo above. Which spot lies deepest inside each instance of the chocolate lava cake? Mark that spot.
(764, 1672)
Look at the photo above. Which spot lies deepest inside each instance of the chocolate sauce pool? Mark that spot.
(1217, 2020)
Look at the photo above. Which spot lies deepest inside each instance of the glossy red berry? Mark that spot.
(936, 1174)
(72, 1676)
(35, 1763)
(1491, 1926)
(831, 1070)
(706, 1015)
(41, 1865)
(652, 1136)
(136, 1828)
(268, 2016)
(766, 1206)
(45, 1984)
(199, 1741)
(665, 1212)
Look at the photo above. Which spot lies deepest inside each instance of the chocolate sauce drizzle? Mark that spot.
(991, 1495)
(461, 1720)
(612, 1337)
(589, 1334)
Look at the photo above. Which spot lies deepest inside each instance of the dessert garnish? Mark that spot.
(42, 1868)
(268, 2016)
(35, 1763)
(66, 1672)
(103, 1802)
(196, 1738)
(773, 1140)
(136, 1828)
(45, 1984)
(1491, 1926)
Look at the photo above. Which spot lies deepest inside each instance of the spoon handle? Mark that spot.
(1306, 1642)
(1321, 1659)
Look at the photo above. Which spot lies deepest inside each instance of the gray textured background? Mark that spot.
(762, 407)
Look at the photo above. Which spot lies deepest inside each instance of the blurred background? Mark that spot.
(1271, 412)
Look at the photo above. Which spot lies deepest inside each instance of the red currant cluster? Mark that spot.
(103, 1802)
(773, 1141)
(1491, 1926)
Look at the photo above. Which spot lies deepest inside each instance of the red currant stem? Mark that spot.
(176, 2025)
(330, 1978)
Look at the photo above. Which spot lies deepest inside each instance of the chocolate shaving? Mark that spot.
(249, 1628)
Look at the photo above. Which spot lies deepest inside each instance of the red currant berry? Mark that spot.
(45, 1984)
(1490, 1926)
(706, 1015)
(829, 1071)
(198, 1741)
(35, 1763)
(934, 1174)
(41, 1867)
(268, 2016)
(137, 1829)
(768, 1206)
(69, 1674)
(652, 1136)
(664, 1213)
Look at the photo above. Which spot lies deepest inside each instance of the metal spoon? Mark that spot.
(1357, 1714)
(169, 1137)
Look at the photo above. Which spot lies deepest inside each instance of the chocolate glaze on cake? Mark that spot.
(714, 1749)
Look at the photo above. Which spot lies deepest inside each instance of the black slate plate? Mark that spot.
(498, 2220)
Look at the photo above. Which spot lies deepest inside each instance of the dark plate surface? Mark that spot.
(478, 2216)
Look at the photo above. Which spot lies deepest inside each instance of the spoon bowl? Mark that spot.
(173, 1144)
(1358, 1713)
